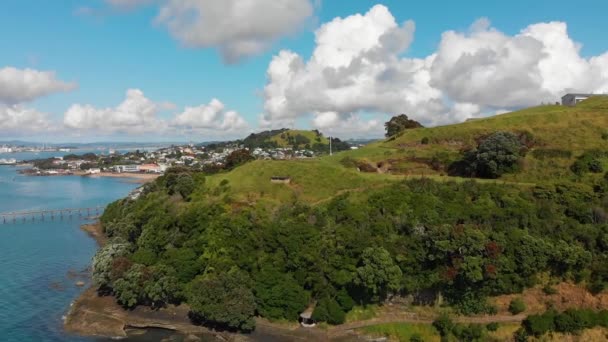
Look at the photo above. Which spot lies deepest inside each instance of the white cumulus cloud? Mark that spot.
(24, 85)
(494, 70)
(212, 117)
(358, 66)
(355, 67)
(18, 120)
(136, 114)
(238, 28)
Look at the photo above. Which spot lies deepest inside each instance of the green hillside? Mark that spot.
(570, 129)
(574, 130)
(386, 221)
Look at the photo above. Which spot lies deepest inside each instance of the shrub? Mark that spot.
(589, 161)
(443, 324)
(605, 136)
(424, 141)
(549, 290)
(538, 325)
(494, 156)
(492, 326)
(517, 306)
(328, 310)
(416, 338)
(471, 332)
(520, 335)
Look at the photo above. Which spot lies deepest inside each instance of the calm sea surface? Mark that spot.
(40, 262)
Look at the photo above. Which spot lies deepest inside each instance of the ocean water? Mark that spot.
(40, 262)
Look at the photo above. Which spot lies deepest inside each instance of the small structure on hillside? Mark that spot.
(280, 180)
(306, 317)
(572, 99)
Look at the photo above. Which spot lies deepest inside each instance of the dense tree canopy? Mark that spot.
(463, 240)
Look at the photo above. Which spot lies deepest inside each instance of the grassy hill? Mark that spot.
(576, 130)
(571, 129)
(234, 245)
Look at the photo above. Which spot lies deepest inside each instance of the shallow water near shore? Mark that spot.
(41, 261)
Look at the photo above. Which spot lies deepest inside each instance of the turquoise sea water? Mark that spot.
(40, 262)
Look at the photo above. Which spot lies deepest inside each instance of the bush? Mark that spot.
(494, 156)
(328, 310)
(538, 325)
(605, 136)
(416, 338)
(517, 306)
(572, 320)
(589, 161)
(424, 141)
(520, 335)
(492, 326)
(443, 324)
(471, 332)
(549, 290)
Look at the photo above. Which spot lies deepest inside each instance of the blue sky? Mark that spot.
(107, 50)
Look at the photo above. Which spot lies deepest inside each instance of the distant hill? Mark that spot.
(282, 138)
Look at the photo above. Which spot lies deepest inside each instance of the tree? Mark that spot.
(129, 290)
(443, 324)
(279, 296)
(328, 310)
(517, 306)
(538, 325)
(185, 185)
(102, 261)
(378, 274)
(400, 123)
(224, 300)
(494, 156)
(238, 157)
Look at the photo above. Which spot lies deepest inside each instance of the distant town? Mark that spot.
(211, 157)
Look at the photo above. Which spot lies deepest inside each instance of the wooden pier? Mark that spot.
(50, 215)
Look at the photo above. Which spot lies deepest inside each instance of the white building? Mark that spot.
(126, 168)
(572, 100)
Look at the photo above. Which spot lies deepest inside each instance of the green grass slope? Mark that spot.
(313, 181)
(574, 129)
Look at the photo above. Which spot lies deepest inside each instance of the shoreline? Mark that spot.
(94, 315)
(138, 178)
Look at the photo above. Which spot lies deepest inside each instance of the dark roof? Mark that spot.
(579, 94)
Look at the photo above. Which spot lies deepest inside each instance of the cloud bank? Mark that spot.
(25, 85)
(358, 66)
(137, 114)
(19, 86)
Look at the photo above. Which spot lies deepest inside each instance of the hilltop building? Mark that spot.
(572, 99)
